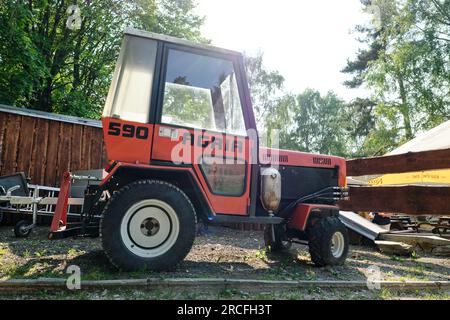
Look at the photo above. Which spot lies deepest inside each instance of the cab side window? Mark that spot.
(129, 96)
(201, 92)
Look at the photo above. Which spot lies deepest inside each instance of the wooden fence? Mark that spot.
(44, 145)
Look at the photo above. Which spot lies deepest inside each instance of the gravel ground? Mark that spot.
(218, 252)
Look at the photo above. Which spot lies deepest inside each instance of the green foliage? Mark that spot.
(407, 66)
(266, 87)
(47, 66)
(317, 123)
(306, 121)
(188, 105)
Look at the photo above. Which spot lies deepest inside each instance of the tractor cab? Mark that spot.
(182, 142)
(177, 104)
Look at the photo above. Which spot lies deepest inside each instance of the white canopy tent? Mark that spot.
(437, 138)
(434, 139)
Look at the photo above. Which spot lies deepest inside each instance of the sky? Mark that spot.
(307, 41)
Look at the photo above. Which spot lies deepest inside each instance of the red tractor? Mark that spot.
(182, 141)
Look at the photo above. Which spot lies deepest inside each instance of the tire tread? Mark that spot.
(127, 188)
(319, 237)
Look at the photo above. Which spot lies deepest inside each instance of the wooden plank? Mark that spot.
(12, 133)
(25, 145)
(76, 150)
(32, 145)
(408, 162)
(96, 151)
(51, 178)
(425, 243)
(443, 251)
(393, 247)
(104, 154)
(414, 200)
(21, 285)
(64, 150)
(86, 148)
(3, 121)
(39, 157)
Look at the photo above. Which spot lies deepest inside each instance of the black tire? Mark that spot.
(320, 236)
(20, 229)
(1, 216)
(115, 239)
(280, 244)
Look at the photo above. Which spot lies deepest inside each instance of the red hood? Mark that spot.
(303, 159)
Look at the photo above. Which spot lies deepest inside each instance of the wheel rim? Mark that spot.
(23, 230)
(150, 228)
(337, 244)
(286, 244)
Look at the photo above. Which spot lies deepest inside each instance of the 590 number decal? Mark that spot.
(127, 131)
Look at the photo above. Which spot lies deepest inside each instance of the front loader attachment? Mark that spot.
(87, 224)
(59, 221)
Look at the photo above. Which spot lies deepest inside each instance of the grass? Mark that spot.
(34, 258)
(385, 294)
(311, 275)
(397, 259)
(434, 296)
(335, 273)
(260, 254)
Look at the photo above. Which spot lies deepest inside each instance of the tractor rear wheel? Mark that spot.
(279, 244)
(328, 241)
(148, 225)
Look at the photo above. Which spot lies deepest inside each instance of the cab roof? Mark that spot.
(169, 39)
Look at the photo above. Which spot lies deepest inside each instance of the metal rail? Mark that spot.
(35, 204)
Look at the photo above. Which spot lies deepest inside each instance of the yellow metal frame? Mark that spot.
(438, 177)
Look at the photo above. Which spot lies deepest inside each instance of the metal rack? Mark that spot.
(41, 201)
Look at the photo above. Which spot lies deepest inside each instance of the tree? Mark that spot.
(426, 33)
(310, 122)
(412, 73)
(358, 120)
(317, 122)
(305, 122)
(49, 66)
(406, 66)
(266, 87)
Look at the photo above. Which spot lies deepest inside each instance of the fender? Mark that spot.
(122, 173)
(303, 212)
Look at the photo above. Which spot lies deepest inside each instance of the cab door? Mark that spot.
(201, 123)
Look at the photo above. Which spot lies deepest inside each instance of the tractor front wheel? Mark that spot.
(328, 241)
(148, 225)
